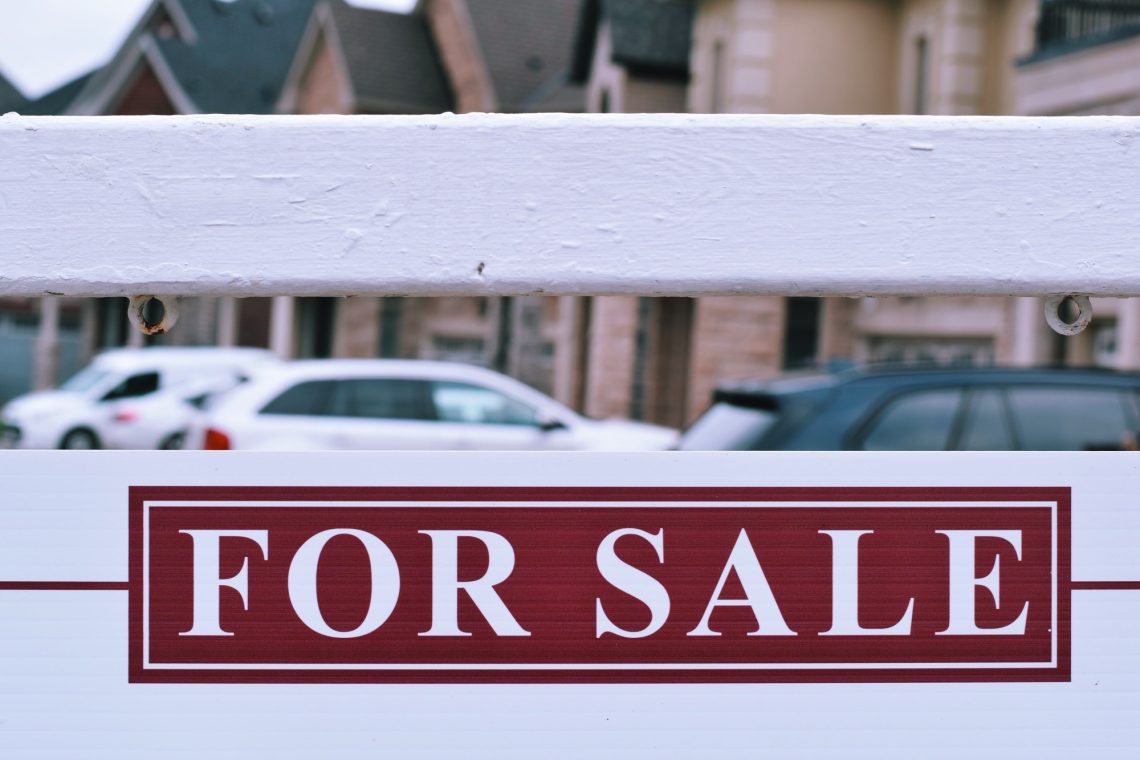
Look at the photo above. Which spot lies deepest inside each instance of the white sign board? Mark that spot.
(497, 605)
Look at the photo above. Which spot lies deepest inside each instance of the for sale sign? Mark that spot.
(599, 584)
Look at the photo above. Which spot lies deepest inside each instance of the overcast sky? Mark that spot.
(45, 43)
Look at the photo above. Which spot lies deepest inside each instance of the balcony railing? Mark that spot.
(1075, 23)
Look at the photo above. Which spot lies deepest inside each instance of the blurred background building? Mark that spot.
(655, 359)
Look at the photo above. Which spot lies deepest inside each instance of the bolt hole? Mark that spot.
(1068, 314)
(153, 311)
(153, 315)
(1069, 311)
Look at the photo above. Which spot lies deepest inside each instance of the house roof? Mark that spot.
(223, 56)
(56, 101)
(241, 52)
(527, 46)
(11, 99)
(392, 61)
(648, 36)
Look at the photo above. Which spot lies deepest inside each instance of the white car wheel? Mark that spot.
(173, 441)
(79, 438)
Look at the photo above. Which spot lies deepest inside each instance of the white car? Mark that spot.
(127, 398)
(161, 420)
(407, 404)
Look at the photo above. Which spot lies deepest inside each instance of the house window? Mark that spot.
(1105, 351)
(316, 318)
(716, 103)
(921, 74)
(801, 332)
(391, 312)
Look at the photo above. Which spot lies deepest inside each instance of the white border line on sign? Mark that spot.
(147, 664)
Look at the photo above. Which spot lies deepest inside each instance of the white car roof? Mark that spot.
(420, 368)
(162, 356)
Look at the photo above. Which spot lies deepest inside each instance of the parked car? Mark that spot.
(933, 409)
(407, 404)
(118, 400)
(161, 420)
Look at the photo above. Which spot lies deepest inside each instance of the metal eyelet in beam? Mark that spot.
(136, 313)
(1053, 316)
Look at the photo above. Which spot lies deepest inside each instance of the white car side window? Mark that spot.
(464, 402)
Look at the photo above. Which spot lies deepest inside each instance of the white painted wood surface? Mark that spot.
(63, 662)
(495, 204)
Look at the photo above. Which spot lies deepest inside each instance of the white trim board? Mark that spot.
(568, 204)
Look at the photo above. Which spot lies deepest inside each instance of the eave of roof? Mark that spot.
(648, 37)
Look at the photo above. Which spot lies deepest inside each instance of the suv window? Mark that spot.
(1072, 418)
(914, 421)
(308, 398)
(134, 386)
(382, 398)
(463, 402)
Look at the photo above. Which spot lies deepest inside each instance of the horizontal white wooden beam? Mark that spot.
(493, 204)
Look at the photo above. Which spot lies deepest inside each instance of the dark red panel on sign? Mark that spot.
(556, 593)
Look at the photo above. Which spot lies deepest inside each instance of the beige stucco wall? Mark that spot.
(1013, 24)
(835, 56)
(743, 33)
(955, 36)
(653, 96)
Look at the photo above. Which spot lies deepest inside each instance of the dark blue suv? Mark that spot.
(926, 410)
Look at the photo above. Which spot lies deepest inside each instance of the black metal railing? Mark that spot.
(1064, 22)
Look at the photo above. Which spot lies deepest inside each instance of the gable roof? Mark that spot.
(241, 55)
(393, 65)
(219, 56)
(11, 99)
(649, 36)
(526, 46)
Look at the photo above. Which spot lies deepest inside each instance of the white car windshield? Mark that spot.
(85, 380)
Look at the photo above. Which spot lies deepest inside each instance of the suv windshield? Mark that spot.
(84, 380)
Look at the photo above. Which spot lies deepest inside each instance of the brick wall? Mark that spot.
(322, 88)
(455, 38)
(145, 96)
(734, 338)
(609, 374)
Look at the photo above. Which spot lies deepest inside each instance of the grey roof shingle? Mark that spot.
(393, 63)
(241, 55)
(648, 36)
(527, 45)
